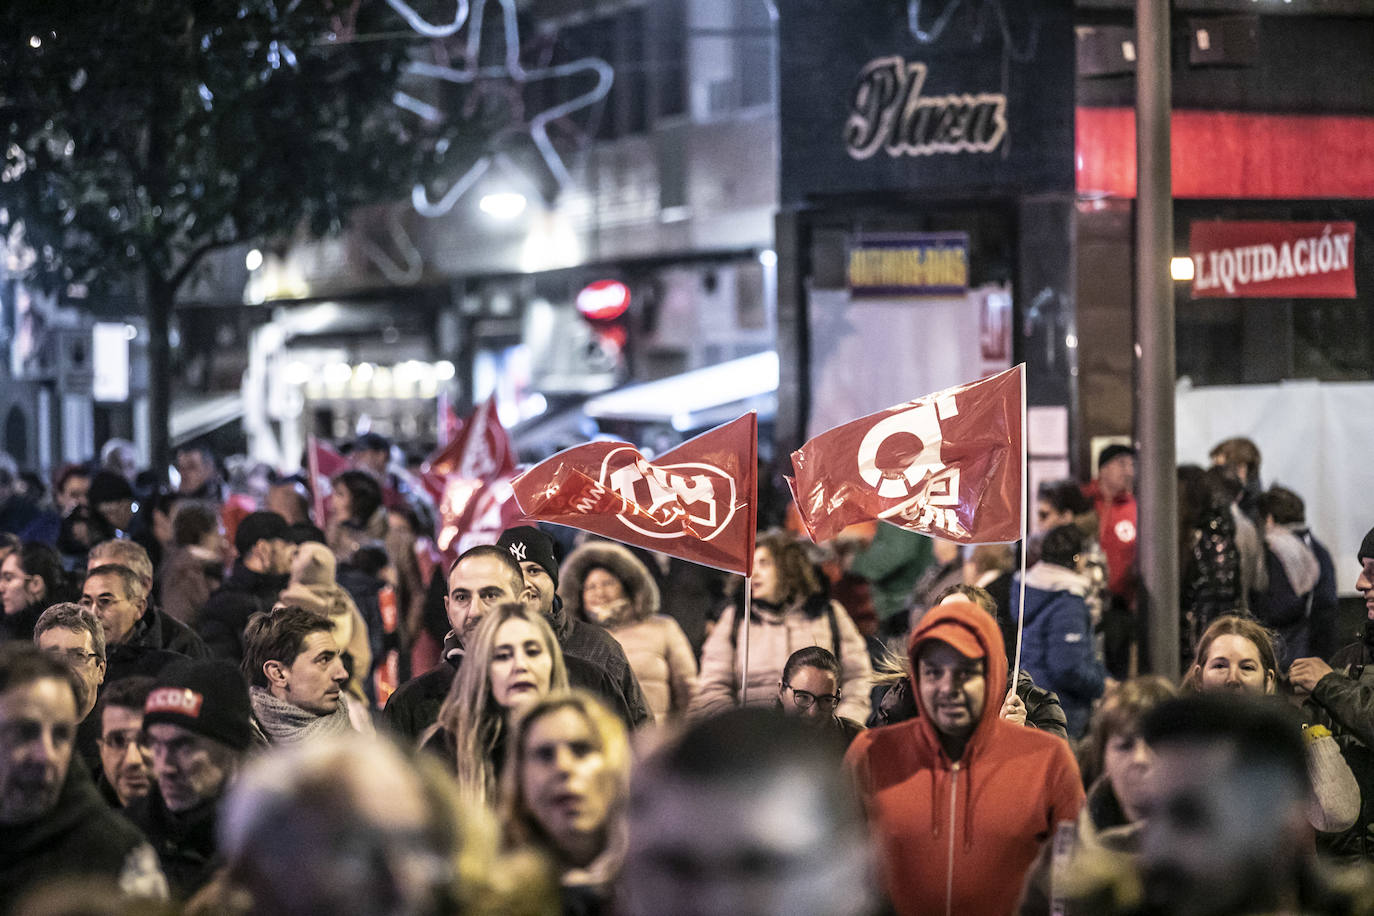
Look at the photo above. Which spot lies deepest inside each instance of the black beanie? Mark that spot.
(258, 526)
(208, 697)
(530, 545)
(108, 487)
(1366, 547)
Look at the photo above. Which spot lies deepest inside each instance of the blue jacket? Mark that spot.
(1057, 646)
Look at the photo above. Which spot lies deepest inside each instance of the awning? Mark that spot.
(698, 398)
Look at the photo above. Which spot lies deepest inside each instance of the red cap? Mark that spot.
(962, 638)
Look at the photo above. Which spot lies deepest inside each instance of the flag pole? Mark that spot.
(1025, 484)
(748, 612)
(312, 461)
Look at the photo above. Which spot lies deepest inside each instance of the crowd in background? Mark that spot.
(212, 700)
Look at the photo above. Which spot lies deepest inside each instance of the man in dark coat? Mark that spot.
(135, 643)
(259, 574)
(53, 823)
(199, 725)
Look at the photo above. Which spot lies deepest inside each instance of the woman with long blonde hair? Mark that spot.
(513, 660)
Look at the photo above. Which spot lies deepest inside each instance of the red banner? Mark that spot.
(469, 479)
(1272, 260)
(324, 462)
(947, 465)
(696, 501)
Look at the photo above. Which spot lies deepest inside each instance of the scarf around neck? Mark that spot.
(287, 723)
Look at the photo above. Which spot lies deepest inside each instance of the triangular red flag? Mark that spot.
(463, 477)
(947, 464)
(696, 502)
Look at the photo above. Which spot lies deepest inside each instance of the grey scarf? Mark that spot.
(1297, 559)
(287, 723)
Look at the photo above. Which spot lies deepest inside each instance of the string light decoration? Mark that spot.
(510, 70)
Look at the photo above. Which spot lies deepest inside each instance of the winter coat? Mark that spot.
(185, 841)
(1302, 584)
(960, 836)
(655, 645)
(225, 615)
(1344, 701)
(1057, 645)
(1211, 574)
(774, 634)
(80, 837)
(186, 580)
(1116, 532)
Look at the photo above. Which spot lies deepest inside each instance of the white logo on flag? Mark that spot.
(701, 492)
(900, 458)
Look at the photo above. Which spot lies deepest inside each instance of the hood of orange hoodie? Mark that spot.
(961, 621)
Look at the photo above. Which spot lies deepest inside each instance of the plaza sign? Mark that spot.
(1272, 260)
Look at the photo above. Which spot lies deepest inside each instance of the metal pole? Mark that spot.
(1155, 375)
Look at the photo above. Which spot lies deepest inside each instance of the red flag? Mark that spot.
(947, 464)
(463, 478)
(324, 462)
(696, 502)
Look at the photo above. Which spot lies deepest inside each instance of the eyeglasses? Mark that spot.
(805, 699)
(103, 603)
(119, 741)
(74, 657)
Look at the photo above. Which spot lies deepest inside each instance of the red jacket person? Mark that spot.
(960, 801)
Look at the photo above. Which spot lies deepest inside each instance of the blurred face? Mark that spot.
(811, 693)
(1117, 475)
(764, 581)
(75, 649)
(372, 459)
(1233, 663)
(1214, 840)
(340, 502)
(759, 847)
(314, 681)
(72, 493)
(567, 781)
(601, 589)
(476, 586)
(521, 666)
(952, 688)
(118, 612)
(1365, 585)
(537, 578)
(1047, 517)
(118, 512)
(17, 590)
(1126, 763)
(124, 755)
(189, 768)
(194, 471)
(284, 500)
(37, 730)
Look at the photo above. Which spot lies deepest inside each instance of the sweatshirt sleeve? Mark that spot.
(716, 684)
(855, 702)
(1065, 789)
(682, 667)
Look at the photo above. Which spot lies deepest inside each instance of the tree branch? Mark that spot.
(194, 257)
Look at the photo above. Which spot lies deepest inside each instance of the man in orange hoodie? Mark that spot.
(960, 801)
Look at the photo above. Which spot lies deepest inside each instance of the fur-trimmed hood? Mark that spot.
(639, 584)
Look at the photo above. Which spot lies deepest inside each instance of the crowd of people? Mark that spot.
(214, 701)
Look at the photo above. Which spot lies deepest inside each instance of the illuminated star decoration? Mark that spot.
(511, 69)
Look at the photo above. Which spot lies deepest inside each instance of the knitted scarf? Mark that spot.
(287, 723)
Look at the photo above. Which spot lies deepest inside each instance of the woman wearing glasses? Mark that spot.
(810, 691)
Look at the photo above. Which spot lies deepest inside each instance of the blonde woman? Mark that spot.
(566, 786)
(513, 660)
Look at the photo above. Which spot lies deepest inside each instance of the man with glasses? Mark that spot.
(810, 691)
(155, 629)
(72, 634)
(126, 761)
(198, 723)
(116, 595)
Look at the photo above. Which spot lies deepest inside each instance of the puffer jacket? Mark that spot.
(313, 587)
(658, 650)
(774, 634)
(1057, 646)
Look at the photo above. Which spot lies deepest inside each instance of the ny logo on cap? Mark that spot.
(517, 550)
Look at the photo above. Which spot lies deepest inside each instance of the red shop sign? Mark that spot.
(1272, 260)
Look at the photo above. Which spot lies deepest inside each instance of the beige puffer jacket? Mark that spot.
(314, 588)
(658, 650)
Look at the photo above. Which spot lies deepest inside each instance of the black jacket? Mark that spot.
(80, 837)
(18, 626)
(226, 613)
(185, 842)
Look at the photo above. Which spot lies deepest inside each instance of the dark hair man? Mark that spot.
(53, 824)
(297, 677)
(1225, 831)
(31, 579)
(259, 574)
(532, 549)
(199, 725)
(959, 777)
(745, 813)
(126, 763)
(1299, 601)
